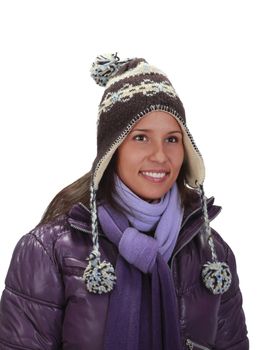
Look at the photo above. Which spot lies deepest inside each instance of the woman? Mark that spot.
(124, 257)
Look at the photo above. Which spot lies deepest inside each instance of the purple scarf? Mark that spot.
(142, 312)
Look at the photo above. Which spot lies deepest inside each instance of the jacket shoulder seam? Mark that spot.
(53, 240)
(60, 222)
(41, 244)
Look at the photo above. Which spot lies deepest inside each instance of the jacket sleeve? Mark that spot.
(31, 304)
(232, 330)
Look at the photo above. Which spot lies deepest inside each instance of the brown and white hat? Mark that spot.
(134, 88)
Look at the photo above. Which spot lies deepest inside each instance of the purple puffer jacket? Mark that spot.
(45, 304)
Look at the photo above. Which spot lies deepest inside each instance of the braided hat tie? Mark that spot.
(133, 88)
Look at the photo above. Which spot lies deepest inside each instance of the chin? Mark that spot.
(152, 197)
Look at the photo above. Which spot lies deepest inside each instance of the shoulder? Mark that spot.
(38, 246)
(34, 265)
(226, 254)
(222, 245)
(48, 234)
(56, 240)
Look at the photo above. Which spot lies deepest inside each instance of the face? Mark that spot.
(150, 157)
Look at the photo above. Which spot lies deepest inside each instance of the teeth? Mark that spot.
(157, 175)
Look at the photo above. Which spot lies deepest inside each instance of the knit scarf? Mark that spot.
(142, 311)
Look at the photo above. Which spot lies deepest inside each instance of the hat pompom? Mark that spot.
(99, 276)
(216, 276)
(104, 67)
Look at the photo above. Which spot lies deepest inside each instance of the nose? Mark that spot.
(158, 153)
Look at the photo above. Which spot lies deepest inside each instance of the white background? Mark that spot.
(219, 55)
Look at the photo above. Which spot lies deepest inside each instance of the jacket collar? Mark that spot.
(193, 222)
(79, 217)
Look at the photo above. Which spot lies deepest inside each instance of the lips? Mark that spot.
(156, 171)
(155, 179)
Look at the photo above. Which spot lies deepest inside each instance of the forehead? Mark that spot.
(157, 119)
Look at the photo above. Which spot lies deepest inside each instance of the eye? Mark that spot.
(140, 135)
(173, 137)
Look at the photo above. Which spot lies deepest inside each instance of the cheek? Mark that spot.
(127, 158)
(177, 157)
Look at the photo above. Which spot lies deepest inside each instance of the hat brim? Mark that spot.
(195, 169)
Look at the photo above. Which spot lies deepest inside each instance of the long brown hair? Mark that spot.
(79, 191)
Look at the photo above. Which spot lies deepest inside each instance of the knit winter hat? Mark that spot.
(134, 88)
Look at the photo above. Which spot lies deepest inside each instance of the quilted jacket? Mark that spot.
(45, 304)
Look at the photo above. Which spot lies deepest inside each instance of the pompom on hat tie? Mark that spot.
(216, 275)
(133, 88)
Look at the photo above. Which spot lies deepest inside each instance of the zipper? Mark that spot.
(191, 344)
(84, 230)
(180, 248)
(194, 212)
(80, 228)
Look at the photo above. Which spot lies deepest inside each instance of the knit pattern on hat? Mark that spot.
(134, 88)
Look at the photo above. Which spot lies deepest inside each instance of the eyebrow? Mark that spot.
(148, 130)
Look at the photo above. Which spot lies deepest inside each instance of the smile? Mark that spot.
(154, 177)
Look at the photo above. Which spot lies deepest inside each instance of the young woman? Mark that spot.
(124, 257)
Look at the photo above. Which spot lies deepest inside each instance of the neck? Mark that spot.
(153, 200)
